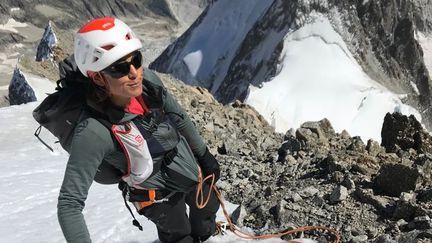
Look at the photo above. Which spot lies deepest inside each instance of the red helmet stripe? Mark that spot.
(104, 23)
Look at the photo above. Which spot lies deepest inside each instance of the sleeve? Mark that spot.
(88, 149)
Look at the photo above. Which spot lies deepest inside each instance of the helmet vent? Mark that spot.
(107, 47)
(128, 36)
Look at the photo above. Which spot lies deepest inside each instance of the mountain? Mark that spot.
(22, 26)
(235, 46)
(20, 92)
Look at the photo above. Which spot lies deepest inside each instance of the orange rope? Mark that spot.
(201, 203)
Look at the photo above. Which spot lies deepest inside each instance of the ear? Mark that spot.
(98, 79)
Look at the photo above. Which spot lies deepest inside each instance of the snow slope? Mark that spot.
(319, 78)
(425, 40)
(30, 182)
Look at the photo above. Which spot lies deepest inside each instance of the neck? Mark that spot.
(120, 101)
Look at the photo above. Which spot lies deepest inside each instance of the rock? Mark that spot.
(340, 193)
(323, 129)
(357, 145)
(309, 191)
(348, 183)
(384, 239)
(383, 205)
(393, 179)
(290, 145)
(404, 210)
(238, 215)
(333, 164)
(345, 135)
(45, 49)
(306, 136)
(359, 238)
(400, 131)
(425, 195)
(20, 92)
(422, 222)
(374, 148)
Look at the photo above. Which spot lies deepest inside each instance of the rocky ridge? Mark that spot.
(314, 176)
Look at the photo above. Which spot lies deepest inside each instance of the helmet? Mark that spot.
(101, 42)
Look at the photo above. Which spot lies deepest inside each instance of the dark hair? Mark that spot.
(97, 94)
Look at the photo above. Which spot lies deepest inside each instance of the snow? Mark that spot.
(425, 42)
(41, 86)
(414, 86)
(219, 35)
(193, 61)
(11, 25)
(30, 182)
(319, 78)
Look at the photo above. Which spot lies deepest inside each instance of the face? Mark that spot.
(123, 79)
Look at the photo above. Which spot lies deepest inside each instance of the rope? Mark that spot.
(201, 203)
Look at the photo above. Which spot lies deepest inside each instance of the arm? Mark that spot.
(88, 148)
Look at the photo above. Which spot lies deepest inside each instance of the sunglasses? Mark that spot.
(121, 68)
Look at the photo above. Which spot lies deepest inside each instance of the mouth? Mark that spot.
(133, 85)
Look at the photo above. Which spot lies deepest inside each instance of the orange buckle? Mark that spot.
(152, 197)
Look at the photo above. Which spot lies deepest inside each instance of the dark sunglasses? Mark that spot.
(121, 68)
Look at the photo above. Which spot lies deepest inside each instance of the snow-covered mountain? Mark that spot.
(305, 60)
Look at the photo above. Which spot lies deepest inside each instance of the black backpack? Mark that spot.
(61, 110)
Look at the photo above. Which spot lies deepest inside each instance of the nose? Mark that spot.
(133, 72)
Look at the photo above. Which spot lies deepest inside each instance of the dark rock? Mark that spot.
(348, 183)
(20, 92)
(383, 205)
(357, 145)
(393, 179)
(238, 215)
(404, 210)
(422, 222)
(290, 145)
(46, 44)
(425, 195)
(400, 131)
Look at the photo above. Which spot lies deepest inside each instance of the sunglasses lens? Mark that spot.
(123, 68)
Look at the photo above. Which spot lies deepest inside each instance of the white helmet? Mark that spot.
(101, 42)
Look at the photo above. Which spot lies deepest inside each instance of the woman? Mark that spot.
(135, 133)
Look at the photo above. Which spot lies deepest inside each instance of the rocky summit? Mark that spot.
(315, 176)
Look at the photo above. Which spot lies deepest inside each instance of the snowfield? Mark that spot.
(319, 78)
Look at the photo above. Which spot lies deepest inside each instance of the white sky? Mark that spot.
(319, 79)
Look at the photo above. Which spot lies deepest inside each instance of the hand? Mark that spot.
(209, 166)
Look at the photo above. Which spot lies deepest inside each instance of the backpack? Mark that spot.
(60, 111)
